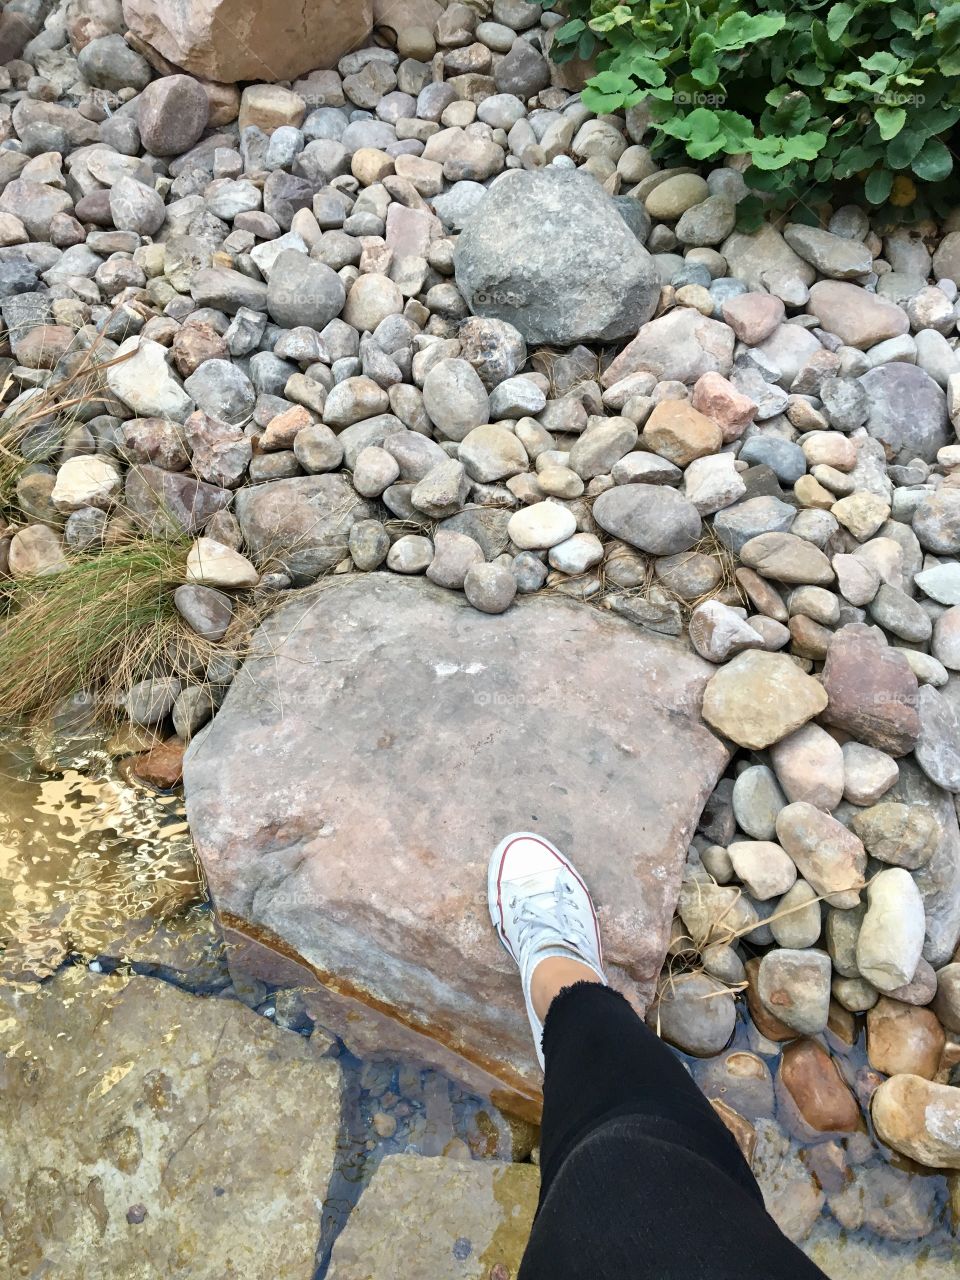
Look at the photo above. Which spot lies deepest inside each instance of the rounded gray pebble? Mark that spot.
(490, 587)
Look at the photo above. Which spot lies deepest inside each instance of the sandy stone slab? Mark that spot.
(149, 1133)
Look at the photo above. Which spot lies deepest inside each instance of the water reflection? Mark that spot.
(87, 861)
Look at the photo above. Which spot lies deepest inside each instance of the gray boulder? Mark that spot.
(550, 253)
(302, 523)
(303, 292)
(907, 411)
(653, 518)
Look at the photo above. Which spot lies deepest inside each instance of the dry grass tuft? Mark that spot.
(99, 625)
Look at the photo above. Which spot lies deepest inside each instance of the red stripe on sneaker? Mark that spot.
(555, 854)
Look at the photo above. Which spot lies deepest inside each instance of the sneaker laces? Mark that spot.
(552, 910)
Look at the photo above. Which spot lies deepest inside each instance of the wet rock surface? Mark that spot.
(160, 1125)
(457, 1219)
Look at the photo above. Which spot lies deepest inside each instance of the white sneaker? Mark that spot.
(540, 907)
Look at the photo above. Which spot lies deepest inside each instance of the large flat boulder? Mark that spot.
(380, 740)
(148, 1133)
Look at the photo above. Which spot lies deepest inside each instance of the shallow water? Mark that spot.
(84, 855)
(97, 871)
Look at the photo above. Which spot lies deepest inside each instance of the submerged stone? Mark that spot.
(156, 1099)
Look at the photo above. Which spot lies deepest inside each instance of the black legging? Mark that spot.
(640, 1178)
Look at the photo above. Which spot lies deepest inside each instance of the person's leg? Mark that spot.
(602, 1062)
(639, 1176)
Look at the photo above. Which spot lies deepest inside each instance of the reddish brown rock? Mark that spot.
(156, 441)
(195, 344)
(43, 347)
(173, 113)
(720, 401)
(282, 430)
(164, 500)
(904, 1039)
(753, 316)
(858, 318)
(681, 345)
(232, 40)
(163, 766)
(871, 690)
(808, 1077)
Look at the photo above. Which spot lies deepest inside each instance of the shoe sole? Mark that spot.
(495, 874)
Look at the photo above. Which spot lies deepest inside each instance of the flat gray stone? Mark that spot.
(364, 851)
(654, 518)
(907, 411)
(939, 880)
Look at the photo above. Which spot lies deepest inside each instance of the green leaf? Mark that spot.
(825, 48)
(838, 19)
(902, 20)
(823, 168)
(570, 31)
(703, 124)
(618, 16)
(703, 63)
(738, 132)
(750, 213)
(742, 29)
(793, 112)
(881, 61)
(810, 75)
(878, 185)
(934, 162)
(890, 121)
(805, 146)
(905, 148)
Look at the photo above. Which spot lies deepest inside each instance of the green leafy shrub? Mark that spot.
(815, 92)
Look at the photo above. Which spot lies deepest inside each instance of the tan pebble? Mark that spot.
(902, 1038)
(861, 513)
(831, 449)
(560, 482)
(810, 493)
(810, 639)
(763, 596)
(696, 296)
(369, 165)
